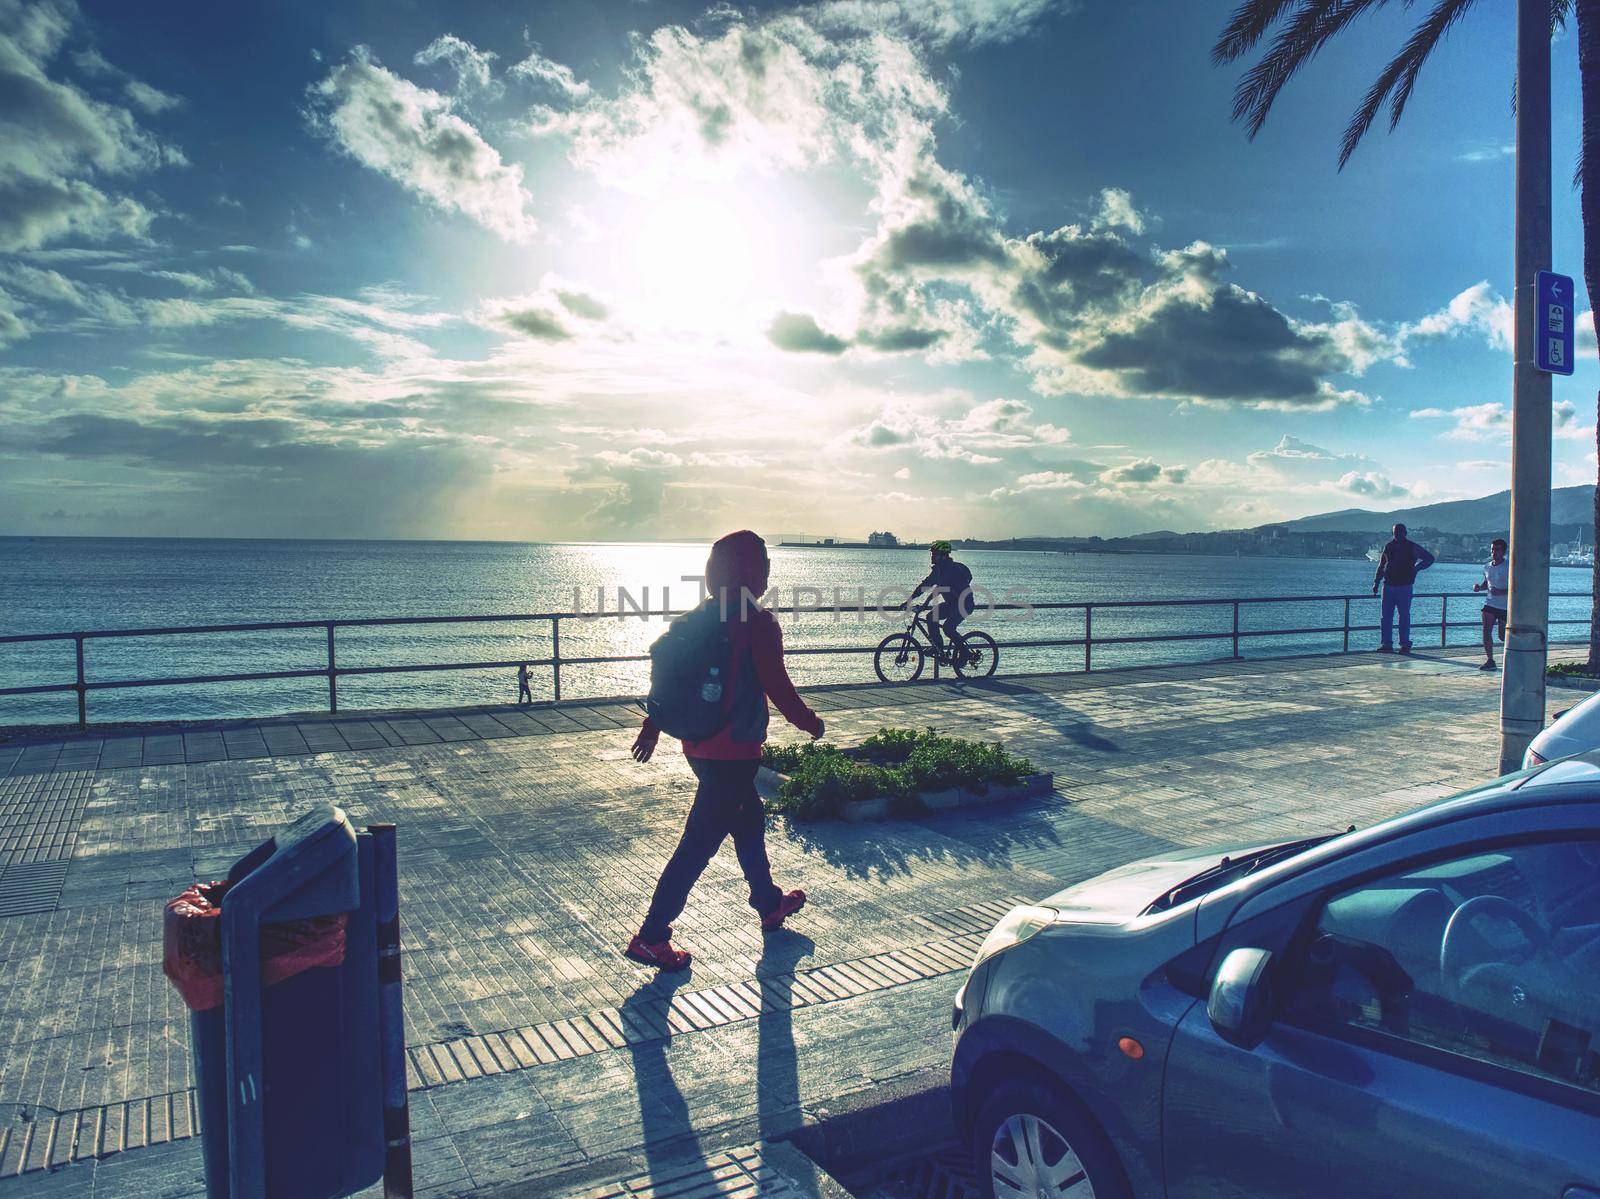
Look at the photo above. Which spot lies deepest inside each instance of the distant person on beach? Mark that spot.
(949, 588)
(1496, 587)
(726, 802)
(524, 691)
(1398, 566)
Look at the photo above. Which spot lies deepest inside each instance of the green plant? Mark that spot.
(787, 758)
(1569, 670)
(819, 779)
(894, 745)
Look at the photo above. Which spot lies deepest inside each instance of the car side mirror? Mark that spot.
(1243, 999)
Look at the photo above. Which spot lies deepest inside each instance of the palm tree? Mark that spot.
(1303, 27)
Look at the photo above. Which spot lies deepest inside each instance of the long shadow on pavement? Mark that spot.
(897, 847)
(777, 1070)
(668, 1131)
(1072, 725)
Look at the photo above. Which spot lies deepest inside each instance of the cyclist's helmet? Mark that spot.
(940, 547)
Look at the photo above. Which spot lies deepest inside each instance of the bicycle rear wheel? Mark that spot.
(898, 659)
(979, 658)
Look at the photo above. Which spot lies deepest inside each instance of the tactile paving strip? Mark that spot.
(31, 887)
(40, 814)
(734, 1174)
(975, 918)
(39, 1139)
(442, 1062)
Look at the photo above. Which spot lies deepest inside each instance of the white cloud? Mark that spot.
(1471, 422)
(558, 311)
(941, 23)
(640, 456)
(1371, 484)
(1083, 310)
(538, 69)
(1296, 470)
(1566, 424)
(755, 98)
(12, 325)
(138, 93)
(59, 145)
(1478, 310)
(1041, 480)
(1144, 472)
(1492, 422)
(984, 431)
(473, 68)
(414, 136)
(1360, 343)
(150, 99)
(1117, 212)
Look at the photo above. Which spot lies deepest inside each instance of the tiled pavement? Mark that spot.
(529, 844)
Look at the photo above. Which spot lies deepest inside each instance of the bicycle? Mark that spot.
(900, 656)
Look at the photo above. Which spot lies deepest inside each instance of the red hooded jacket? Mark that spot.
(738, 566)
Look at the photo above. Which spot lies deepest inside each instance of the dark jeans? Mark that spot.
(1397, 600)
(725, 804)
(949, 616)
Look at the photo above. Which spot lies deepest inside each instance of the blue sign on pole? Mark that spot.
(1553, 324)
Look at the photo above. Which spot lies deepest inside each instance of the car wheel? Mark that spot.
(1030, 1141)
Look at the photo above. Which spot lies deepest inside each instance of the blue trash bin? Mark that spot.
(287, 1068)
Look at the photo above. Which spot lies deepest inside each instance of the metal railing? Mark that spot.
(1236, 636)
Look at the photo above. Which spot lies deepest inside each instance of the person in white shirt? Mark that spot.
(1496, 586)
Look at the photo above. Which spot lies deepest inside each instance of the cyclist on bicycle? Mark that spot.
(949, 590)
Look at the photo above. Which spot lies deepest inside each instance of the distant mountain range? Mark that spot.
(1491, 514)
(1456, 531)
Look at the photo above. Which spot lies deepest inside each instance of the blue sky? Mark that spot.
(615, 270)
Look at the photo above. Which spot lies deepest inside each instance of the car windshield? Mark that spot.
(1231, 869)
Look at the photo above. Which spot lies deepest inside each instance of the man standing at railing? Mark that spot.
(1496, 586)
(1398, 566)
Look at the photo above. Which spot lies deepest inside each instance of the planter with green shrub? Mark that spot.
(1572, 675)
(893, 773)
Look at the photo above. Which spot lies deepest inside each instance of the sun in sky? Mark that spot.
(622, 271)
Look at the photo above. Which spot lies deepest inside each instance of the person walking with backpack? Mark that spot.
(1398, 566)
(712, 674)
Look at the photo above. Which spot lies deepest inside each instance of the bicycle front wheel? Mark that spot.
(979, 656)
(898, 659)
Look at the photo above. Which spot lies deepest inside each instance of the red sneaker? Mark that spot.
(662, 956)
(788, 905)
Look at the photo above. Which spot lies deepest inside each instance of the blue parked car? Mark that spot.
(1411, 1010)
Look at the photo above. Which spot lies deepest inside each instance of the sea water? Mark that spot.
(90, 584)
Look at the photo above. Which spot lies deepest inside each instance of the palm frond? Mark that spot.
(1307, 31)
(1247, 26)
(1399, 78)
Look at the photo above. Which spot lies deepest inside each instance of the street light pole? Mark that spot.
(1522, 685)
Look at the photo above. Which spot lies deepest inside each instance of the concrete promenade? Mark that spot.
(542, 1062)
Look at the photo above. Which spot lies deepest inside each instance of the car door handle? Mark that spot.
(1579, 1193)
